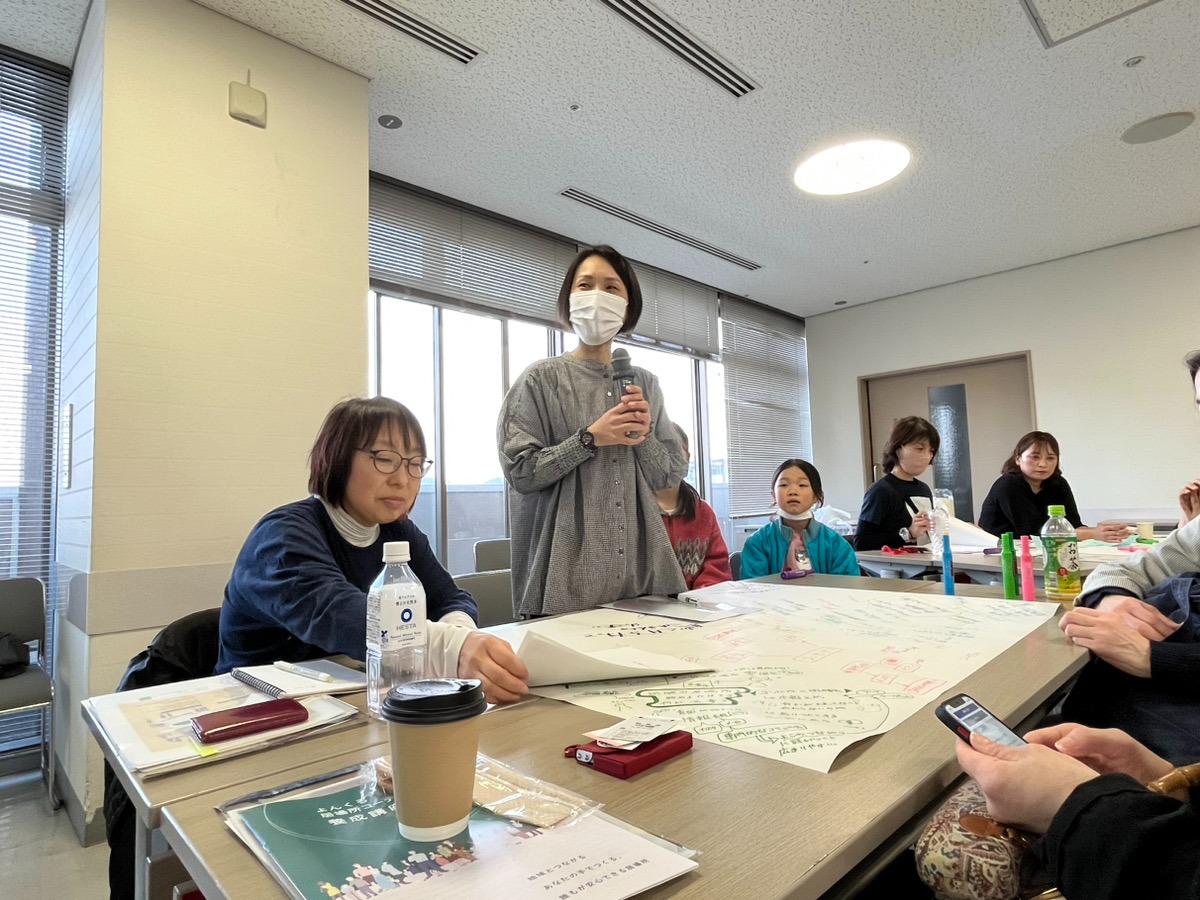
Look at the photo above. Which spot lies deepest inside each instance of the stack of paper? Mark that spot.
(151, 728)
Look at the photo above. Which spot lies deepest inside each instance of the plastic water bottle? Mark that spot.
(939, 527)
(1060, 549)
(395, 626)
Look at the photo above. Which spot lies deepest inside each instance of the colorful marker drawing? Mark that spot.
(809, 673)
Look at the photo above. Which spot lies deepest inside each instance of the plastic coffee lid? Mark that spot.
(395, 551)
(433, 702)
(1056, 510)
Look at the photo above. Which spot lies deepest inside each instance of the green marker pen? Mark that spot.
(1007, 563)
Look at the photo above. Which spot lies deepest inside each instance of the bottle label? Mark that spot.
(1063, 578)
(380, 619)
(404, 603)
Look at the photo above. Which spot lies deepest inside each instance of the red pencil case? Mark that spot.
(627, 763)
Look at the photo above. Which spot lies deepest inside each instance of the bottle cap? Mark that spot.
(1006, 542)
(1056, 510)
(395, 551)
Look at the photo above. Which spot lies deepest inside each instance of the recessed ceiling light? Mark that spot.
(1157, 128)
(852, 167)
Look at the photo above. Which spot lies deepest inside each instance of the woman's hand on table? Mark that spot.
(493, 662)
(1110, 637)
(1109, 532)
(1139, 615)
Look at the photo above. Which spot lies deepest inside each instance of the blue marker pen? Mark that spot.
(947, 567)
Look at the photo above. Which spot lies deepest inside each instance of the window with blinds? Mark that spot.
(33, 124)
(424, 245)
(766, 399)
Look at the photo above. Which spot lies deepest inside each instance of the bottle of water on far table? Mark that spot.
(939, 520)
(395, 626)
(1060, 551)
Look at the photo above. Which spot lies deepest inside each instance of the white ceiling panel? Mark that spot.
(1017, 150)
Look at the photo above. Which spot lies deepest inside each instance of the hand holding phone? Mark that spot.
(965, 715)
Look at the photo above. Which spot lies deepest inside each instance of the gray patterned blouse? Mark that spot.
(585, 528)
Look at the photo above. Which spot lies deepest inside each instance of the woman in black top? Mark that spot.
(1030, 481)
(889, 518)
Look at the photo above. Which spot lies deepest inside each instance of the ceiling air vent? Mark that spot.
(656, 24)
(414, 27)
(642, 222)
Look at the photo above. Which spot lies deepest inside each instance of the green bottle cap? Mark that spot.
(1056, 510)
(1006, 542)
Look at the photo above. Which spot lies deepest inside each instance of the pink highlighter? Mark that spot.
(1028, 588)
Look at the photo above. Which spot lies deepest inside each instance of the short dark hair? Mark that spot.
(814, 477)
(350, 426)
(1033, 439)
(624, 270)
(1192, 361)
(908, 430)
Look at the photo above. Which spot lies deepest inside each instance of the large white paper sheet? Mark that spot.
(814, 671)
(551, 662)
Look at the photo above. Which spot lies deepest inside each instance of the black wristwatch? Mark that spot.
(588, 440)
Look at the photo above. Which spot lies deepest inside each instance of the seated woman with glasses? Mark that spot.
(299, 585)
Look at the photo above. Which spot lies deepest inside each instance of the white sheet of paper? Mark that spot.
(550, 662)
(966, 536)
(601, 857)
(676, 609)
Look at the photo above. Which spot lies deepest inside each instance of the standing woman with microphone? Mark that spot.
(584, 458)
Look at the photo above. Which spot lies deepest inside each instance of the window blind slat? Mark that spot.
(422, 244)
(678, 313)
(33, 120)
(766, 399)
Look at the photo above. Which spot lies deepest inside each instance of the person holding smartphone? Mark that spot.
(1130, 616)
(1105, 836)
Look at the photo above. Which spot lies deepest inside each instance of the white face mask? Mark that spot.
(798, 517)
(597, 316)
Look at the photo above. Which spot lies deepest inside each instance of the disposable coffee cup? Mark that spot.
(433, 727)
(1145, 529)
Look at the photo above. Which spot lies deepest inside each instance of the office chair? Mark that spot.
(493, 595)
(23, 614)
(494, 554)
(735, 564)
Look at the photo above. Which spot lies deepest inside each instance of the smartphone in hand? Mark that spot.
(963, 715)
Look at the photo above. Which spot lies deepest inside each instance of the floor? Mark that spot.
(38, 847)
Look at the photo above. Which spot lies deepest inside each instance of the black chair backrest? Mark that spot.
(23, 609)
(187, 648)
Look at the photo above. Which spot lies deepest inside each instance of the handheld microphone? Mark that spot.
(623, 377)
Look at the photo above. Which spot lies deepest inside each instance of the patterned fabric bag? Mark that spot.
(963, 854)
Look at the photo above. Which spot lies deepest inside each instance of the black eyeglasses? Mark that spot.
(388, 463)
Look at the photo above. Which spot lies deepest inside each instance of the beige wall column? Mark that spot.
(215, 307)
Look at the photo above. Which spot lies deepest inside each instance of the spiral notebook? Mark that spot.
(277, 683)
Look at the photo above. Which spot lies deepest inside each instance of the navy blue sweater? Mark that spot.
(299, 589)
